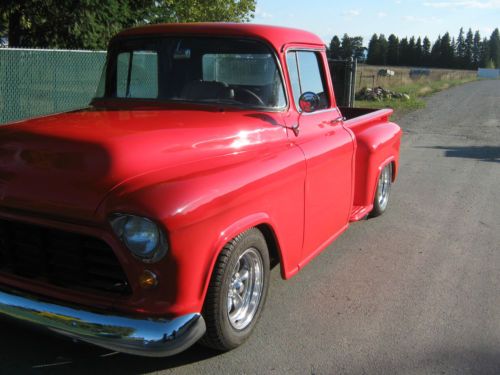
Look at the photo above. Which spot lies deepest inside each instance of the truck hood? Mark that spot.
(64, 165)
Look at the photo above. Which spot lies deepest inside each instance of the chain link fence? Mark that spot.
(36, 82)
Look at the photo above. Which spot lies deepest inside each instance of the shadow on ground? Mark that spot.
(478, 360)
(24, 350)
(482, 153)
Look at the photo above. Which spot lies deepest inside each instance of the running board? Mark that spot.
(359, 212)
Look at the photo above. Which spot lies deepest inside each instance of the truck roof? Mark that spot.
(275, 35)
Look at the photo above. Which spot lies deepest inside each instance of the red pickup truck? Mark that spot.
(210, 154)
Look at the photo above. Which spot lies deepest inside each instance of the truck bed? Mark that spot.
(376, 140)
(355, 116)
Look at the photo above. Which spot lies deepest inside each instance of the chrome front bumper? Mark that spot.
(145, 337)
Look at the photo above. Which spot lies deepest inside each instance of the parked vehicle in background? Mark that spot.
(211, 153)
(488, 73)
(419, 72)
(386, 73)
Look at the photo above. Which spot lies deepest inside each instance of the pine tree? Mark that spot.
(476, 50)
(346, 47)
(335, 50)
(411, 51)
(377, 50)
(485, 56)
(495, 48)
(436, 52)
(447, 53)
(460, 49)
(457, 62)
(373, 57)
(383, 47)
(468, 50)
(393, 50)
(426, 52)
(404, 53)
(418, 52)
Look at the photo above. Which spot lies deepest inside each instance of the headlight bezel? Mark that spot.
(118, 222)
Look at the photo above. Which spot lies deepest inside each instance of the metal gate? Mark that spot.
(343, 74)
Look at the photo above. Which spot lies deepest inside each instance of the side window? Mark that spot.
(306, 74)
(293, 72)
(137, 75)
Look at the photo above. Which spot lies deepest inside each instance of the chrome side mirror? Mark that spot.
(309, 102)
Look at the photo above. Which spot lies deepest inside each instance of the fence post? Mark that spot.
(54, 88)
(353, 83)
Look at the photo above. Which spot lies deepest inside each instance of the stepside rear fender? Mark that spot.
(377, 145)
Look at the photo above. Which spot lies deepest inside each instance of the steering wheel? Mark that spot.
(252, 95)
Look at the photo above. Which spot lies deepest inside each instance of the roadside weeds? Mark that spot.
(417, 92)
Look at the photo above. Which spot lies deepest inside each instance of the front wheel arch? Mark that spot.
(262, 222)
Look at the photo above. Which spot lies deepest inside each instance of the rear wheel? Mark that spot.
(237, 291)
(383, 191)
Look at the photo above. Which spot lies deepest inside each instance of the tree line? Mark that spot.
(467, 51)
(89, 24)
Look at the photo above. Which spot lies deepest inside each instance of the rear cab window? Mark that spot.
(248, 74)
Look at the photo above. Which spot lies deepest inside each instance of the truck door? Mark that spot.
(328, 149)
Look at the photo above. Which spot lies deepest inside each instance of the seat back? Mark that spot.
(200, 90)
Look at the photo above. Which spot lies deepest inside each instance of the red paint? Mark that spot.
(204, 174)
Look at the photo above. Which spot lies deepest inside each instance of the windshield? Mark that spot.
(238, 72)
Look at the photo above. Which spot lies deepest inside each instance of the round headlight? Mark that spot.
(141, 236)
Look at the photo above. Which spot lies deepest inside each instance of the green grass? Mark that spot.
(417, 92)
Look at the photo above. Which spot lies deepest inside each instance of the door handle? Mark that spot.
(337, 120)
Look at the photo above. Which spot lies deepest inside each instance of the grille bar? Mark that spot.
(60, 258)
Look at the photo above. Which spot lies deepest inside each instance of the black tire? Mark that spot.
(383, 193)
(221, 333)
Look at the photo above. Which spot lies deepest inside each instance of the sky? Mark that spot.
(400, 17)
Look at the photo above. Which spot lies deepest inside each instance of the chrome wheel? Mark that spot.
(245, 289)
(237, 291)
(384, 187)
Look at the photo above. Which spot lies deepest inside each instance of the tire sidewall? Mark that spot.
(252, 239)
(377, 209)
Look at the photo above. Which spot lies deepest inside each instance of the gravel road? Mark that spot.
(416, 291)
